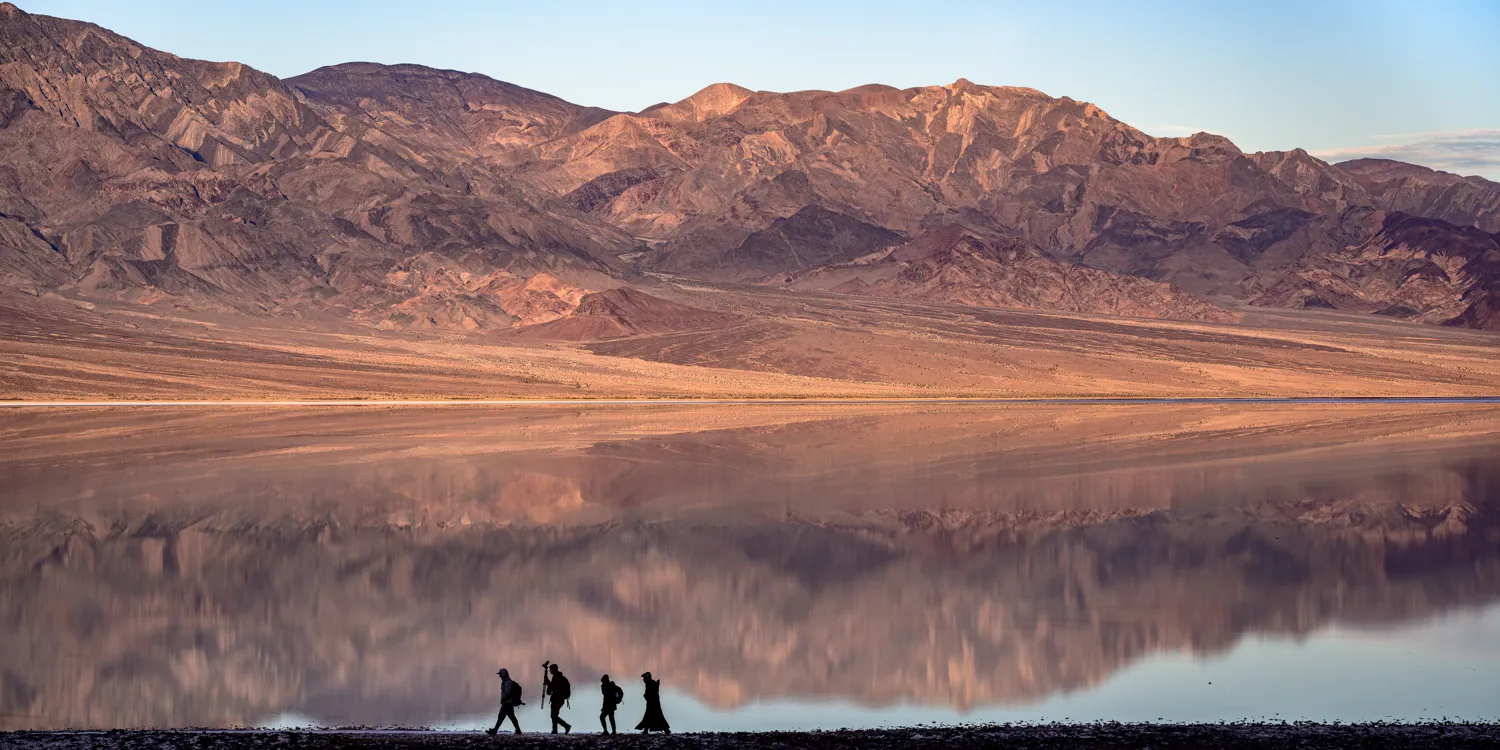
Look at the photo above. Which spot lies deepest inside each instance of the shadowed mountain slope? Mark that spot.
(959, 264)
(134, 174)
(731, 191)
(1408, 188)
(1414, 268)
(444, 110)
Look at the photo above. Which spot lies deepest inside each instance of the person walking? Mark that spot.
(613, 695)
(654, 718)
(510, 697)
(560, 690)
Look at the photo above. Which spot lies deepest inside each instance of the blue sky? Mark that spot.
(1413, 80)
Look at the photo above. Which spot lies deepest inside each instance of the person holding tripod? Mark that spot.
(557, 687)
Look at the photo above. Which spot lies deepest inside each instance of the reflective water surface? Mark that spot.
(777, 566)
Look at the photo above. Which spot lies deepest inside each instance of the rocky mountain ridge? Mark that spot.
(131, 174)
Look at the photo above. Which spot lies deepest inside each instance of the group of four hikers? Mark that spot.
(557, 688)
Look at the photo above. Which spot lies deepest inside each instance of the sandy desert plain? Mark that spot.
(781, 345)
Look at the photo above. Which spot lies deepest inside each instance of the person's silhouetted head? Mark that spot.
(504, 674)
(646, 676)
(605, 678)
(552, 667)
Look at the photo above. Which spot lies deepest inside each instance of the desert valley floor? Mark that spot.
(776, 344)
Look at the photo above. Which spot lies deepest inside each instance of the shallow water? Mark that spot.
(778, 566)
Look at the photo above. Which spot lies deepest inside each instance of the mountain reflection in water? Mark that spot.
(191, 568)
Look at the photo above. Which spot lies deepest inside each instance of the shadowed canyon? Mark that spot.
(372, 565)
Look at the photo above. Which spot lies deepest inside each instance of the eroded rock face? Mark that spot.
(765, 183)
(1419, 191)
(1420, 269)
(958, 264)
(128, 173)
(445, 110)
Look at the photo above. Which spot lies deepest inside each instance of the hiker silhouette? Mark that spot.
(560, 690)
(612, 697)
(654, 718)
(510, 697)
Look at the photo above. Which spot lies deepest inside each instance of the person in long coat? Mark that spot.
(654, 719)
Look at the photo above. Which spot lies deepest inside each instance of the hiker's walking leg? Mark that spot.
(508, 712)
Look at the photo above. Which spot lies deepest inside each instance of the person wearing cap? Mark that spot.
(510, 697)
(654, 718)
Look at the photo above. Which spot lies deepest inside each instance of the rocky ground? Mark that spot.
(1238, 735)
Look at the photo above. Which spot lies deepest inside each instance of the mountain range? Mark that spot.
(402, 196)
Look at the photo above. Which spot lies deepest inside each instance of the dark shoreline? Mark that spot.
(1304, 735)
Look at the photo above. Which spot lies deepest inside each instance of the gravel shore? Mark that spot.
(1305, 736)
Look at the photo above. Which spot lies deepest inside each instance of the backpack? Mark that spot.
(619, 694)
(515, 695)
(561, 690)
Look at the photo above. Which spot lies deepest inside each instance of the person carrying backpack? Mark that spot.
(613, 695)
(510, 697)
(560, 690)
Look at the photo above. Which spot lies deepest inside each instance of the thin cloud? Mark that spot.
(1465, 152)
